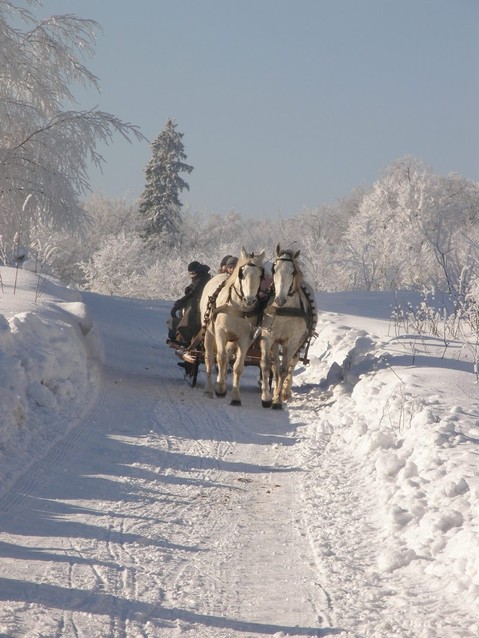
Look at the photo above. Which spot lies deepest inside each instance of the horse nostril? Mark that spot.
(280, 301)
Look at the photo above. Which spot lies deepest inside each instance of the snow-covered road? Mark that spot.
(162, 512)
(132, 506)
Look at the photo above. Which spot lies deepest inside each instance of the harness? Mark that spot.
(307, 312)
(212, 311)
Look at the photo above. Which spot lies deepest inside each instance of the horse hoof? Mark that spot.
(235, 402)
(220, 394)
(208, 394)
(277, 406)
(266, 404)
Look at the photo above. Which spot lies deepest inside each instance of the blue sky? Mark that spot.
(285, 104)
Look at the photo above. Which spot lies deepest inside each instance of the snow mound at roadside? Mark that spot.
(49, 358)
(396, 429)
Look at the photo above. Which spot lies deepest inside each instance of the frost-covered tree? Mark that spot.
(109, 217)
(114, 268)
(451, 229)
(45, 144)
(160, 203)
(411, 230)
(55, 252)
(322, 231)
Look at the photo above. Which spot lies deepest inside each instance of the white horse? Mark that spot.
(230, 316)
(288, 322)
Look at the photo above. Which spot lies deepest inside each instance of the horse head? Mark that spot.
(285, 275)
(249, 272)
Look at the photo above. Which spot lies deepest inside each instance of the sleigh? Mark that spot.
(194, 355)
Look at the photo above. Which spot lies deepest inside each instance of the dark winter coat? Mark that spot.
(190, 322)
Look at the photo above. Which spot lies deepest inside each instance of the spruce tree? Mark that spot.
(160, 203)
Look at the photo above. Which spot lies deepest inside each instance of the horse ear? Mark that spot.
(244, 254)
(278, 250)
(262, 254)
(297, 254)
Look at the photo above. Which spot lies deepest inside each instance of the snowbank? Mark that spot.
(408, 424)
(49, 353)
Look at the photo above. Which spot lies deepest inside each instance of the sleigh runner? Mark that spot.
(193, 358)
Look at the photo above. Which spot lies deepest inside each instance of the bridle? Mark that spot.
(241, 276)
(292, 288)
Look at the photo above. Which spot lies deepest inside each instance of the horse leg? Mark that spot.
(281, 370)
(288, 382)
(238, 370)
(209, 343)
(265, 365)
(222, 361)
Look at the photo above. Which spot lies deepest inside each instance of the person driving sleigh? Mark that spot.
(184, 327)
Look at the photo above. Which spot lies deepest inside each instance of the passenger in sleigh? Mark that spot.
(183, 328)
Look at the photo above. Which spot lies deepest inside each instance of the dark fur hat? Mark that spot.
(193, 266)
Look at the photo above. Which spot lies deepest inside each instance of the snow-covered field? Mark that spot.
(131, 505)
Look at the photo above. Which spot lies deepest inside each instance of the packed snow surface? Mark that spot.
(132, 505)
